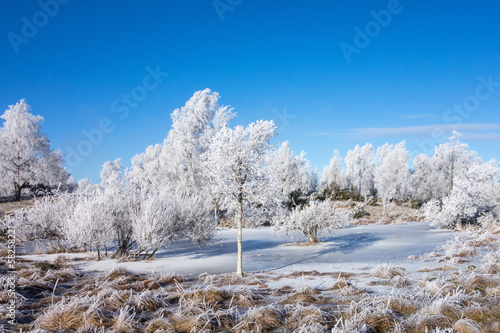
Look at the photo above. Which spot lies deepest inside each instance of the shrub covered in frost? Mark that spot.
(316, 219)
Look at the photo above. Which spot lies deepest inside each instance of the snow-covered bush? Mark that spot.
(358, 210)
(89, 225)
(488, 219)
(316, 219)
(44, 220)
(169, 218)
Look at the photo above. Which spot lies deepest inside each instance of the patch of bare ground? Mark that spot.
(8, 205)
(397, 213)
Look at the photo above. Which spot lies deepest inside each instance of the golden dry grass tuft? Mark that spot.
(209, 295)
(426, 323)
(299, 316)
(480, 282)
(401, 304)
(261, 319)
(467, 326)
(124, 322)
(160, 324)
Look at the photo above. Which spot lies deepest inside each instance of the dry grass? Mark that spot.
(261, 319)
(400, 304)
(426, 323)
(69, 315)
(386, 272)
(299, 318)
(165, 279)
(467, 326)
(160, 324)
(124, 322)
(209, 295)
(146, 301)
(246, 298)
(123, 275)
(480, 282)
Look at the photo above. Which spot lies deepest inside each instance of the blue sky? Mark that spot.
(420, 71)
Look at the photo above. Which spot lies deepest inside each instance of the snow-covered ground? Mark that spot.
(349, 250)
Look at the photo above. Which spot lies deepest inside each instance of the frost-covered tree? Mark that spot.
(291, 173)
(474, 193)
(177, 163)
(26, 159)
(333, 174)
(422, 182)
(392, 173)
(121, 200)
(360, 163)
(433, 177)
(236, 163)
(318, 218)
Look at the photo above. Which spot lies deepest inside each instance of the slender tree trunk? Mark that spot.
(216, 211)
(17, 181)
(17, 192)
(314, 236)
(239, 265)
(452, 170)
(385, 208)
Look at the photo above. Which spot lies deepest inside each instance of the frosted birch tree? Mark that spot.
(391, 176)
(236, 162)
(360, 163)
(290, 173)
(333, 174)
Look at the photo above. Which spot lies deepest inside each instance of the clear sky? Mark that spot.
(332, 74)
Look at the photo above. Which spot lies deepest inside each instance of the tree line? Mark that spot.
(206, 171)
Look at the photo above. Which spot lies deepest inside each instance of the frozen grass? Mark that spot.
(392, 297)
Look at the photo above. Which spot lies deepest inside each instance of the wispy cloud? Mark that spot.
(419, 116)
(475, 132)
